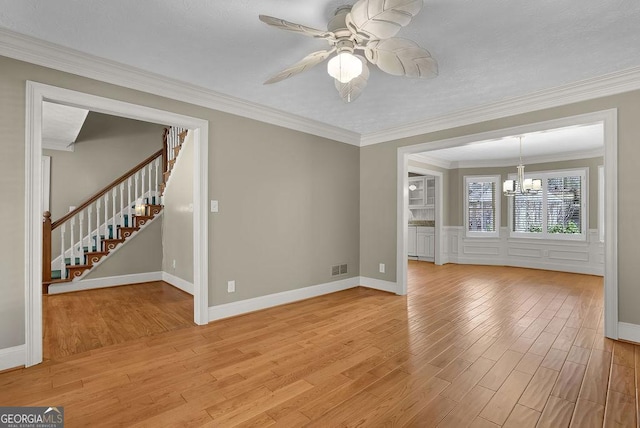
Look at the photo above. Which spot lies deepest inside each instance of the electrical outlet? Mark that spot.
(173, 264)
(231, 286)
(382, 268)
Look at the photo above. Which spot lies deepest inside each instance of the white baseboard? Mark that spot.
(630, 332)
(180, 283)
(263, 302)
(379, 284)
(109, 281)
(12, 357)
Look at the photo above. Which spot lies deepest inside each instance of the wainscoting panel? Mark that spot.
(569, 256)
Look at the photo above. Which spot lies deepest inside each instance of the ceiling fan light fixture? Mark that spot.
(344, 67)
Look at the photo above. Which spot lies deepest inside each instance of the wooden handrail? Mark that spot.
(95, 197)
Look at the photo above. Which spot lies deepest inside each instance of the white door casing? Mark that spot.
(609, 120)
(36, 93)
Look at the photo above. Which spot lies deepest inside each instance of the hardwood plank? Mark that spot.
(596, 379)
(620, 410)
(569, 381)
(85, 320)
(555, 359)
(539, 389)
(468, 409)
(522, 417)
(623, 380)
(529, 363)
(587, 414)
(467, 379)
(501, 370)
(356, 356)
(504, 400)
(556, 414)
(624, 354)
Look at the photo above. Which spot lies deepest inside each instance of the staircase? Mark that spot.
(86, 236)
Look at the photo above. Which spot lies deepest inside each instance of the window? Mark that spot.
(482, 206)
(557, 212)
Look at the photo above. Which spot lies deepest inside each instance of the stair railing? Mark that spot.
(98, 219)
(84, 229)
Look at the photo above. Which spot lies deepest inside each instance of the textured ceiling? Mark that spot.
(487, 50)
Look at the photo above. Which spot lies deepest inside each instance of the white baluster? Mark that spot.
(73, 241)
(81, 247)
(121, 213)
(113, 220)
(143, 180)
(106, 216)
(156, 193)
(63, 267)
(98, 240)
(149, 174)
(137, 177)
(89, 230)
(129, 218)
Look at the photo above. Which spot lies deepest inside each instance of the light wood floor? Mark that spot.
(470, 346)
(85, 320)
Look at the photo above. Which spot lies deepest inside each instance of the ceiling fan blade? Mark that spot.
(297, 28)
(351, 90)
(381, 19)
(401, 57)
(305, 63)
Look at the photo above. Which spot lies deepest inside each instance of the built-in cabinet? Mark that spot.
(422, 198)
(421, 243)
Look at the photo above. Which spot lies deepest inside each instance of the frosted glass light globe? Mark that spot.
(344, 67)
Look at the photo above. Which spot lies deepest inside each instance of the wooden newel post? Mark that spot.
(165, 152)
(46, 247)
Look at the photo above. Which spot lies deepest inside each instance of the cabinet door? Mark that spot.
(425, 244)
(421, 244)
(417, 196)
(430, 191)
(431, 245)
(411, 242)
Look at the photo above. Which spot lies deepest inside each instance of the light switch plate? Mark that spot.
(214, 206)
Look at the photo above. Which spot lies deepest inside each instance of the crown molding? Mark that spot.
(29, 49)
(597, 87)
(498, 163)
(431, 160)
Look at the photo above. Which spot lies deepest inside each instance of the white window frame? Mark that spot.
(495, 179)
(584, 206)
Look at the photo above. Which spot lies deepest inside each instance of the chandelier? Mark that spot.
(521, 186)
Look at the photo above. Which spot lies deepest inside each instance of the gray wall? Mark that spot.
(141, 254)
(107, 147)
(378, 181)
(289, 201)
(177, 225)
(289, 208)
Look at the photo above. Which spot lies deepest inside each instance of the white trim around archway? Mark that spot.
(609, 119)
(36, 93)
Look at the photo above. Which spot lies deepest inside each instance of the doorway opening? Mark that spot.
(606, 119)
(36, 94)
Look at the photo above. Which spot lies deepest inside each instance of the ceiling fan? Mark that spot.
(367, 26)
